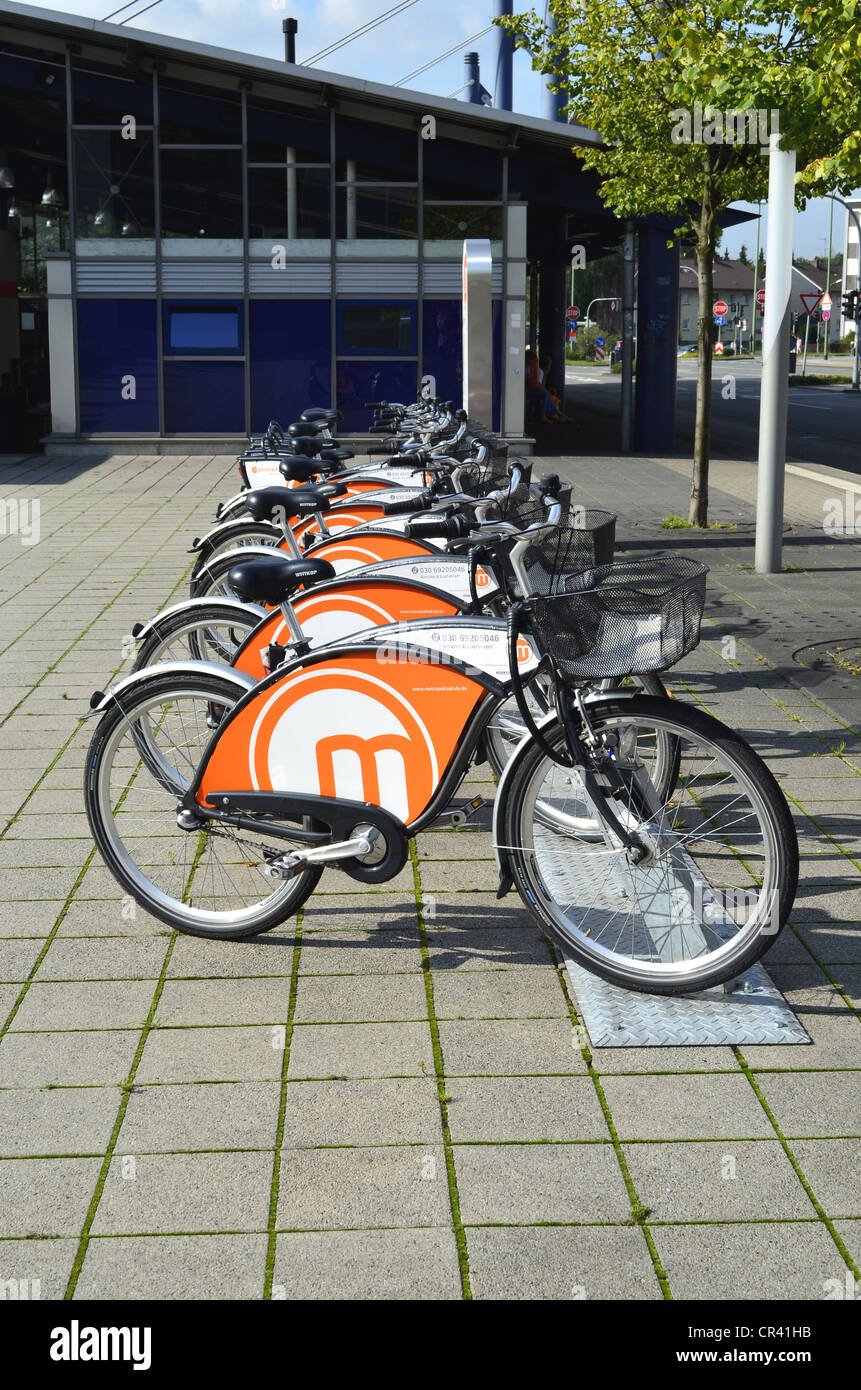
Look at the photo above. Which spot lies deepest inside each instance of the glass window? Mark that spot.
(104, 98)
(377, 212)
(272, 130)
(366, 326)
(454, 221)
(117, 339)
(44, 76)
(204, 397)
(442, 339)
(198, 328)
(288, 203)
(114, 184)
(372, 381)
(190, 116)
(459, 170)
(201, 193)
(290, 358)
(368, 152)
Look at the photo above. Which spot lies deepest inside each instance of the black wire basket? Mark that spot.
(613, 620)
(585, 540)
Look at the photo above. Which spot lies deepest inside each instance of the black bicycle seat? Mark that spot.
(298, 470)
(305, 429)
(281, 503)
(274, 580)
(319, 412)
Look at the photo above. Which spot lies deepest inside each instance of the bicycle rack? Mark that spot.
(748, 1010)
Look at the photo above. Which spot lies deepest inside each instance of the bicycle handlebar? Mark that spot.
(416, 503)
(427, 528)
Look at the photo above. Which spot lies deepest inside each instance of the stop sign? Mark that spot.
(719, 307)
(573, 312)
(760, 298)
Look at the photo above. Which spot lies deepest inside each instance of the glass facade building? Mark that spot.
(209, 240)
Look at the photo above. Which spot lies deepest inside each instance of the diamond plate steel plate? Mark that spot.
(753, 1012)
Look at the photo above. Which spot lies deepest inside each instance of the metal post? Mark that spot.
(554, 102)
(755, 307)
(828, 274)
(290, 28)
(806, 336)
(774, 392)
(627, 339)
(292, 197)
(503, 76)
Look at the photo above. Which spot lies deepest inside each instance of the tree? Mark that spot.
(743, 256)
(686, 95)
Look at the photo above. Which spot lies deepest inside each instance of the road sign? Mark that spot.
(573, 312)
(600, 353)
(720, 307)
(760, 298)
(810, 301)
(826, 315)
(600, 342)
(827, 301)
(720, 318)
(719, 349)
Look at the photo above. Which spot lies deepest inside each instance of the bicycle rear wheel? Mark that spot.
(719, 878)
(203, 632)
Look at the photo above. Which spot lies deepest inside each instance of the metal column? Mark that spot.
(774, 392)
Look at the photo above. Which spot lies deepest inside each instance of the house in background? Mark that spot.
(733, 282)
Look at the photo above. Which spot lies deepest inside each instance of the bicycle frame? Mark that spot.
(282, 752)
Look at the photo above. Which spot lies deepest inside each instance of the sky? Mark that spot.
(421, 31)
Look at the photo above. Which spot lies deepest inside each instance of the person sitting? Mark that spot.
(536, 394)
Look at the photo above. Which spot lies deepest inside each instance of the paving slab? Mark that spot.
(562, 1262)
(174, 1268)
(367, 1265)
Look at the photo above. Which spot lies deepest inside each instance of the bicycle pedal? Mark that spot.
(462, 814)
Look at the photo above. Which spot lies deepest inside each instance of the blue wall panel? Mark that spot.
(204, 397)
(359, 382)
(117, 338)
(290, 358)
(442, 341)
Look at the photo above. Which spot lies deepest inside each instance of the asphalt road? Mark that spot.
(824, 422)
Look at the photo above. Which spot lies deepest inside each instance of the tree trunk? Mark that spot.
(698, 512)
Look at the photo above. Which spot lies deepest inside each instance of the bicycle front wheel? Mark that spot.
(721, 867)
(206, 880)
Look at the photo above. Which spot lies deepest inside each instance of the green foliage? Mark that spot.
(584, 347)
(633, 70)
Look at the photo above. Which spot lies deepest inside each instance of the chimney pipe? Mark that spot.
(290, 26)
(473, 78)
(502, 93)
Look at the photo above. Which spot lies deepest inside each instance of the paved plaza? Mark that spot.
(391, 1096)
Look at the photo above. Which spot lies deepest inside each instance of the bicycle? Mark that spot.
(202, 785)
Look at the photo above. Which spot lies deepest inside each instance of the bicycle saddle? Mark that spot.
(273, 581)
(319, 412)
(305, 428)
(282, 503)
(299, 470)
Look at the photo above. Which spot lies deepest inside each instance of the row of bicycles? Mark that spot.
(359, 633)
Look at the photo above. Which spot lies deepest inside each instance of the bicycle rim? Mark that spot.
(708, 899)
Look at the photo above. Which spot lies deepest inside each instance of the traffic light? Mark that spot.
(850, 305)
